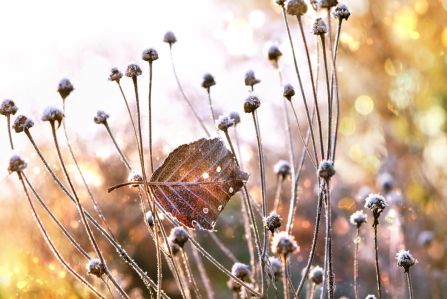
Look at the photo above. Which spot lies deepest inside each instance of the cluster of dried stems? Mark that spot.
(265, 274)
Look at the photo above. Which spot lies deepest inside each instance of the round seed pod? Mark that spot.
(272, 222)
(22, 123)
(250, 79)
(170, 38)
(284, 244)
(326, 169)
(319, 27)
(224, 122)
(115, 75)
(8, 107)
(16, 164)
(179, 236)
(65, 88)
(316, 275)
(149, 55)
(405, 259)
(240, 270)
(208, 81)
(133, 71)
(358, 218)
(53, 114)
(101, 117)
(274, 54)
(296, 7)
(251, 104)
(341, 12)
(95, 267)
(235, 117)
(288, 92)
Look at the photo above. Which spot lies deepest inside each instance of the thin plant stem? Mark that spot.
(8, 124)
(132, 122)
(312, 291)
(210, 102)
(279, 183)
(189, 274)
(150, 118)
(187, 291)
(330, 272)
(123, 157)
(236, 138)
(222, 247)
(410, 289)
(329, 99)
(376, 249)
(356, 262)
(285, 278)
(202, 272)
(335, 79)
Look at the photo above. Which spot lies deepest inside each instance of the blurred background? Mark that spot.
(392, 69)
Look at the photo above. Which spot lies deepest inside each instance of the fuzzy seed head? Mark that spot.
(134, 177)
(326, 169)
(282, 169)
(274, 53)
(327, 3)
(22, 123)
(319, 27)
(385, 182)
(208, 81)
(370, 296)
(341, 12)
(95, 267)
(289, 91)
(179, 236)
(149, 55)
(149, 217)
(284, 244)
(65, 88)
(272, 222)
(276, 265)
(296, 7)
(405, 259)
(316, 274)
(235, 117)
(251, 104)
(240, 270)
(375, 202)
(224, 122)
(53, 114)
(250, 78)
(425, 238)
(170, 38)
(101, 118)
(358, 218)
(16, 164)
(8, 107)
(133, 70)
(115, 75)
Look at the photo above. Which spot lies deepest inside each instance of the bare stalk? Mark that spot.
(123, 157)
(8, 123)
(285, 278)
(356, 262)
(329, 98)
(150, 118)
(190, 275)
(202, 272)
(210, 102)
(376, 249)
(132, 122)
(335, 79)
(279, 183)
(410, 289)
(328, 250)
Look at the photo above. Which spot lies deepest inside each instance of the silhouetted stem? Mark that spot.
(335, 78)
(132, 122)
(8, 123)
(210, 102)
(410, 289)
(329, 99)
(202, 272)
(189, 274)
(285, 279)
(356, 262)
(150, 118)
(376, 249)
(123, 157)
(330, 272)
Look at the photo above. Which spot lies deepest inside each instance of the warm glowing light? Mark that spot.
(432, 121)
(364, 105)
(347, 126)
(205, 175)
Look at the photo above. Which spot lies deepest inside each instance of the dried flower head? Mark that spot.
(289, 91)
(250, 79)
(358, 218)
(376, 203)
(133, 70)
(236, 117)
(170, 38)
(8, 107)
(149, 55)
(240, 270)
(319, 27)
(296, 7)
(282, 169)
(425, 238)
(224, 122)
(276, 266)
(175, 248)
(65, 88)
(327, 3)
(284, 244)
(149, 217)
(274, 53)
(101, 117)
(370, 296)
(326, 169)
(341, 12)
(272, 222)
(385, 182)
(179, 236)
(115, 75)
(134, 177)
(22, 123)
(251, 103)
(53, 114)
(208, 81)
(16, 164)
(316, 274)
(95, 267)
(405, 259)
(280, 2)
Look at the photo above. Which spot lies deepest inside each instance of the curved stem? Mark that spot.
(123, 157)
(376, 249)
(8, 123)
(189, 274)
(132, 122)
(410, 289)
(356, 262)
(202, 272)
(329, 99)
(335, 78)
(330, 271)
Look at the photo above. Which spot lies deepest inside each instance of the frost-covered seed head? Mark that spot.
(276, 266)
(385, 182)
(280, 2)
(179, 236)
(240, 270)
(274, 53)
(149, 217)
(376, 203)
(149, 55)
(358, 218)
(316, 275)
(327, 3)
(65, 88)
(341, 12)
(95, 267)
(208, 81)
(284, 244)
(319, 27)
(296, 7)
(282, 169)
(53, 114)
(326, 169)
(170, 38)
(101, 117)
(8, 107)
(250, 78)
(405, 259)
(288, 91)
(370, 296)
(175, 248)
(16, 164)
(134, 177)
(133, 70)
(224, 122)
(115, 75)
(251, 104)
(236, 117)
(272, 222)
(22, 123)
(425, 238)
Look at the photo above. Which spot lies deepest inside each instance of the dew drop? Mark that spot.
(220, 207)
(213, 223)
(218, 169)
(205, 210)
(231, 190)
(205, 175)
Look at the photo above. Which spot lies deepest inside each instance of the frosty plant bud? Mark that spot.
(276, 265)
(208, 81)
(53, 114)
(65, 88)
(284, 244)
(274, 54)
(376, 203)
(272, 222)
(235, 117)
(174, 247)
(405, 259)
(149, 218)
(251, 104)
(250, 79)
(358, 218)
(326, 169)
(280, 2)
(8, 107)
(133, 71)
(149, 55)
(95, 267)
(101, 118)
(115, 75)
(22, 123)
(240, 270)
(16, 164)
(170, 38)
(341, 12)
(134, 177)
(316, 275)
(288, 92)
(385, 182)
(179, 236)
(296, 7)
(282, 169)
(319, 27)
(224, 122)
(327, 3)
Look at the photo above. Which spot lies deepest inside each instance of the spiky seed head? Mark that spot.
(134, 177)
(149, 55)
(250, 78)
(274, 53)
(341, 12)
(288, 91)
(224, 122)
(133, 70)
(8, 107)
(327, 3)
(179, 236)
(319, 27)
(316, 274)
(170, 38)
(326, 169)
(236, 117)
(53, 114)
(296, 7)
(22, 123)
(95, 267)
(276, 265)
(282, 169)
(405, 259)
(16, 164)
(425, 238)
(208, 81)
(252, 103)
(101, 117)
(376, 203)
(115, 75)
(65, 88)
(358, 218)
(385, 182)
(272, 222)
(240, 270)
(284, 244)
(370, 296)
(280, 2)
(149, 217)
